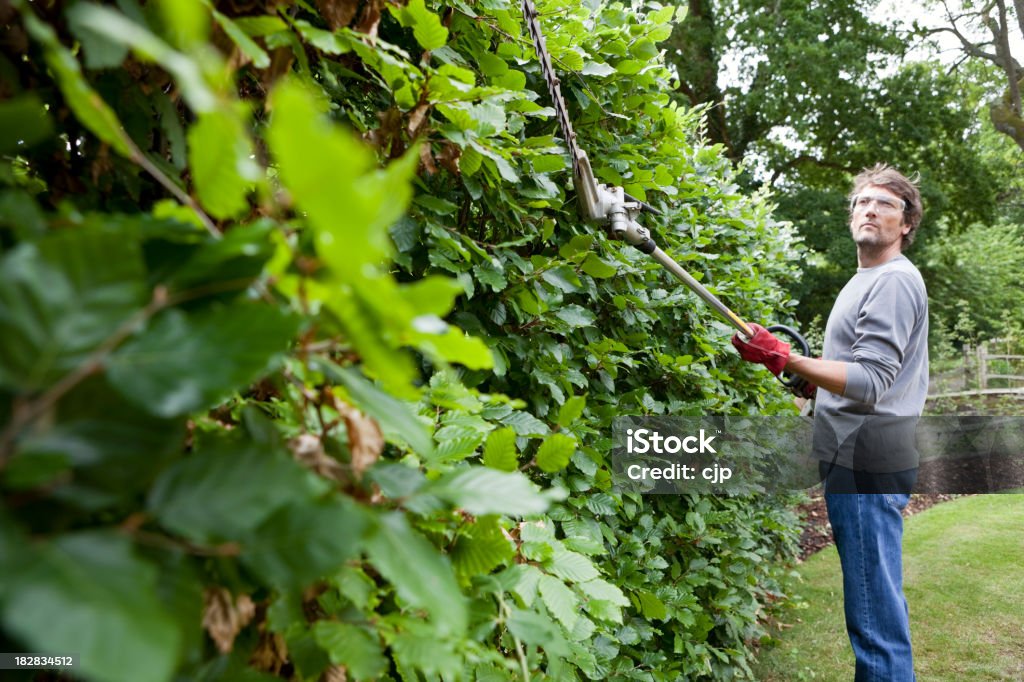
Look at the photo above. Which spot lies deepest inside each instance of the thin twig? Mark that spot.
(164, 542)
(524, 667)
(158, 175)
(31, 411)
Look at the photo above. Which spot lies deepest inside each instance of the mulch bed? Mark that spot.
(817, 532)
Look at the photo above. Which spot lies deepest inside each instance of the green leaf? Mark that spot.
(420, 649)
(663, 15)
(396, 480)
(99, 53)
(652, 607)
(603, 590)
(563, 277)
(571, 60)
(469, 162)
(226, 490)
(554, 453)
(436, 204)
(481, 490)
(88, 107)
(455, 449)
(575, 316)
(604, 610)
(500, 450)
(571, 410)
(451, 345)
(595, 267)
(525, 424)
(257, 26)
(328, 42)
(394, 548)
(260, 59)
(185, 362)
(522, 580)
(24, 121)
(351, 646)
(185, 22)
(426, 26)
(219, 152)
(432, 295)
(577, 247)
(19, 212)
(535, 629)
(302, 542)
(504, 168)
(630, 67)
(228, 264)
(396, 418)
(560, 600)
(571, 566)
(599, 69)
(602, 503)
(61, 298)
(319, 163)
(481, 548)
(117, 28)
(548, 163)
(88, 593)
(98, 435)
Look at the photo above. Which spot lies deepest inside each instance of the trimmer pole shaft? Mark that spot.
(732, 318)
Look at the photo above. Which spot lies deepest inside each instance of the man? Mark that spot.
(872, 383)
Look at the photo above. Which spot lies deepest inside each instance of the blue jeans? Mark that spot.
(868, 530)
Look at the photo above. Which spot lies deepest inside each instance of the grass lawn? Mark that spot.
(964, 579)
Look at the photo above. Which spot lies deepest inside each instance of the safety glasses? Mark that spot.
(883, 202)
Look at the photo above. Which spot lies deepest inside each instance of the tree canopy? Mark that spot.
(808, 95)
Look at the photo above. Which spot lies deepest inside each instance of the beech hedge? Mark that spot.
(309, 365)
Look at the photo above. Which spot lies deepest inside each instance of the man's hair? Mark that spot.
(884, 175)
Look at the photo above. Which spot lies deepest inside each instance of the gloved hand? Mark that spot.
(764, 347)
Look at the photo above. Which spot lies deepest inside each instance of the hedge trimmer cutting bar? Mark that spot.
(612, 207)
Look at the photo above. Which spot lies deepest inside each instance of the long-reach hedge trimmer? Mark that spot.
(617, 211)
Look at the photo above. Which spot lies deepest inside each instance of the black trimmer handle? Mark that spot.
(793, 382)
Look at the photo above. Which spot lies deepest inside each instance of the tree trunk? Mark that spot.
(1006, 120)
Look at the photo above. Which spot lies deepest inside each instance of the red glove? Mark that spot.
(764, 348)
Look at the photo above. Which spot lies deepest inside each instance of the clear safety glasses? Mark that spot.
(883, 202)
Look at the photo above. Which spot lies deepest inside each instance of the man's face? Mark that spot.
(876, 219)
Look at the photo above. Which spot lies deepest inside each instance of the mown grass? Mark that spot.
(964, 580)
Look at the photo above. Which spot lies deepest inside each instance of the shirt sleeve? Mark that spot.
(882, 333)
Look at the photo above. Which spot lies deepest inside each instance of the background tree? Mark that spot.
(807, 95)
(1002, 27)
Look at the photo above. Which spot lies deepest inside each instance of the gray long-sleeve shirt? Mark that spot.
(879, 325)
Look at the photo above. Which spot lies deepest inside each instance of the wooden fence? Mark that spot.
(989, 367)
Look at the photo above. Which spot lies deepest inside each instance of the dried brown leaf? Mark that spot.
(281, 60)
(224, 618)
(365, 440)
(449, 157)
(309, 451)
(427, 159)
(370, 19)
(335, 673)
(270, 654)
(338, 13)
(417, 117)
